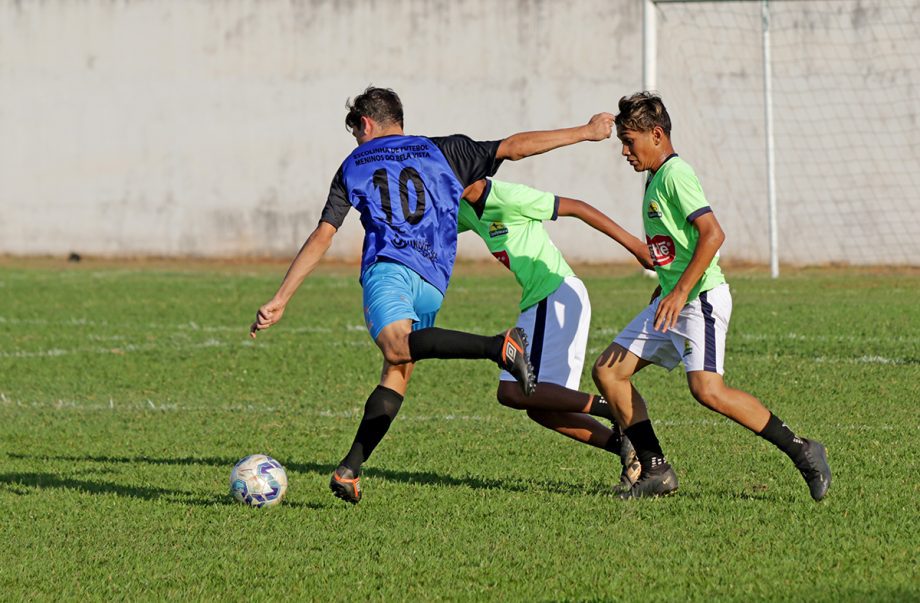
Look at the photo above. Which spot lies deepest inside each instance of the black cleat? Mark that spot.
(346, 485)
(632, 469)
(814, 469)
(652, 485)
(514, 359)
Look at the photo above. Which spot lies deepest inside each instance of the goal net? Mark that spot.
(846, 123)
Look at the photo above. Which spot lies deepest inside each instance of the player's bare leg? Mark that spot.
(612, 373)
(393, 342)
(579, 427)
(400, 346)
(568, 411)
(809, 456)
(710, 390)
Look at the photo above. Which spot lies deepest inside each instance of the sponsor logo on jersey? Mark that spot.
(653, 210)
(497, 229)
(662, 249)
(420, 246)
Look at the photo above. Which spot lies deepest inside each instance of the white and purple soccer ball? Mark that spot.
(258, 480)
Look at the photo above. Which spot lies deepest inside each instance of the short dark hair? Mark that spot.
(643, 111)
(380, 104)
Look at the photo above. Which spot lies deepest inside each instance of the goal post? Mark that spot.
(777, 102)
(649, 82)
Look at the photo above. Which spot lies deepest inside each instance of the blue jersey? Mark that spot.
(407, 190)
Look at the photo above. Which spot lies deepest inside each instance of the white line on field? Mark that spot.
(824, 359)
(153, 326)
(602, 330)
(350, 414)
(120, 350)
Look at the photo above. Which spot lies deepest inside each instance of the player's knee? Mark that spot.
(540, 416)
(512, 397)
(396, 355)
(708, 394)
(395, 349)
(602, 374)
(393, 341)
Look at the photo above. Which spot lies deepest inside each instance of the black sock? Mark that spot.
(444, 343)
(615, 442)
(778, 433)
(647, 447)
(601, 408)
(379, 411)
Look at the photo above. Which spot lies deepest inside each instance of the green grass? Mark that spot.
(127, 393)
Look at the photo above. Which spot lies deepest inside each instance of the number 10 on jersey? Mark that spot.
(408, 174)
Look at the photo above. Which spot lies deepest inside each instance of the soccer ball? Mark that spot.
(258, 480)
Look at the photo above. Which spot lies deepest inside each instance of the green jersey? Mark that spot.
(509, 219)
(673, 200)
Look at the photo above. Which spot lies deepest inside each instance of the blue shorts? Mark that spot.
(393, 292)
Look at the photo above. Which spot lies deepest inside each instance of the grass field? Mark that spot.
(127, 393)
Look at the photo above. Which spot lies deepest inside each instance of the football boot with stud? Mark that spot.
(346, 485)
(652, 485)
(629, 462)
(514, 359)
(814, 469)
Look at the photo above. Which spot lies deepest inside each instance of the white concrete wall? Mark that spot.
(213, 127)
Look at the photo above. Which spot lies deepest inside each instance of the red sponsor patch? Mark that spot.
(502, 256)
(661, 248)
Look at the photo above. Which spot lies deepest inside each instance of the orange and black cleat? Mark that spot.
(346, 485)
(514, 359)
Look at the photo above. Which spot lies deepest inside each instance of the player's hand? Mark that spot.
(268, 314)
(599, 127)
(645, 260)
(669, 310)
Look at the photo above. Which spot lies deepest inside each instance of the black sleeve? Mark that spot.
(470, 159)
(337, 204)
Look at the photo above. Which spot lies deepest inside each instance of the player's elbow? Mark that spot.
(510, 149)
(714, 236)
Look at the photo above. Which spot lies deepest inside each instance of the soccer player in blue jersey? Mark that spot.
(688, 321)
(407, 190)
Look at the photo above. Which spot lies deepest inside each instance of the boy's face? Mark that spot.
(642, 150)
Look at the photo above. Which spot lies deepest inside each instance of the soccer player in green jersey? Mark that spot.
(688, 321)
(555, 309)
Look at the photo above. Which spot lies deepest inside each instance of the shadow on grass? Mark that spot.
(397, 475)
(22, 483)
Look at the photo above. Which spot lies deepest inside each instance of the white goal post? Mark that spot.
(649, 82)
(848, 73)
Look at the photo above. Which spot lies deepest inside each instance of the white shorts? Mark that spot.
(557, 334)
(698, 338)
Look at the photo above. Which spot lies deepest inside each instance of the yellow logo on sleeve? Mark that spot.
(497, 229)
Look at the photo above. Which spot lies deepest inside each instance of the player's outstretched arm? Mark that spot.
(525, 144)
(306, 260)
(599, 221)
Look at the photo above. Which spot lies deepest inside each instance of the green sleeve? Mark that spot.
(519, 200)
(686, 192)
(463, 221)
